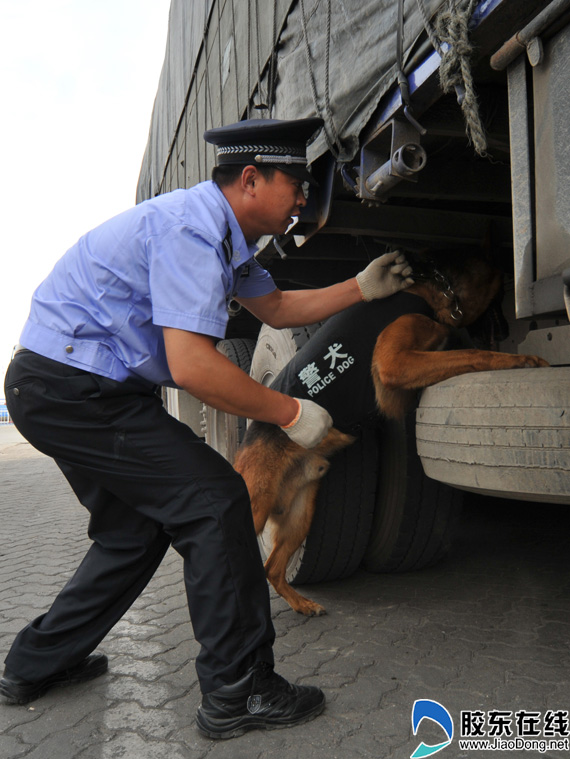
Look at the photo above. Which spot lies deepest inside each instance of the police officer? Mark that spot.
(137, 303)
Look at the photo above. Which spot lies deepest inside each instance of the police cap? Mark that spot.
(272, 142)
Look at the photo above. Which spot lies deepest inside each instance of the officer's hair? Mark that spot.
(229, 173)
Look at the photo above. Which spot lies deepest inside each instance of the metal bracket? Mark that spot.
(394, 153)
(535, 51)
(528, 38)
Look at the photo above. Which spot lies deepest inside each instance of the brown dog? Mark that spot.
(404, 354)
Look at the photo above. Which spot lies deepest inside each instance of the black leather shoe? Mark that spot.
(19, 691)
(260, 700)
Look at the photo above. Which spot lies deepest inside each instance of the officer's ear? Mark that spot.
(249, 177)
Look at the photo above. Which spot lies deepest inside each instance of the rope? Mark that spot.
(429, 28)
(327, 77)
(207, 93)
(272, 78)
(234, 45)
(248, 114)
(402, 80)
(455, 48)
(220, 65)
(260, 105)
(332, 144)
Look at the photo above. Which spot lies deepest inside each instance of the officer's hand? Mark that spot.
(311, 424)
(384, 276)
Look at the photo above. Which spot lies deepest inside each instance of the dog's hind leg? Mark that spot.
(283, 479)
(263, 463)
(289, 531)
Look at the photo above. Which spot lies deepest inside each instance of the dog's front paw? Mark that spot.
(533, 361)
(310, 608)
(316, 611)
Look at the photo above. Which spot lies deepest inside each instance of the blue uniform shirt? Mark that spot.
(160, 264)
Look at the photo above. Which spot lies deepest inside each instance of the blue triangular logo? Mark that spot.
(432, 710)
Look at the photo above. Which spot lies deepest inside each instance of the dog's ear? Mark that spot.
(421, 261)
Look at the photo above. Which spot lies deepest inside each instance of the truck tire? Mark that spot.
(503, 433)
(415, 518)
(224, 432)
(338, 536)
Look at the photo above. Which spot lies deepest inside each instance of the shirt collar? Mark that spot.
(242, 250)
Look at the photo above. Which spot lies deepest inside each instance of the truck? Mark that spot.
(445, 128)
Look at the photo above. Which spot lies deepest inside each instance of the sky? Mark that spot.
(78, 82)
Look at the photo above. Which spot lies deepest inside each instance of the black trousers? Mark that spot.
(148, 482)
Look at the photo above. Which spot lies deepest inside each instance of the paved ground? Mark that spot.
(486, 633)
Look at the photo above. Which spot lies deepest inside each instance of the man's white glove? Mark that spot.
(311, 424)
(385, 276)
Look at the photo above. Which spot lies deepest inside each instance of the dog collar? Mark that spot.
(447, 290)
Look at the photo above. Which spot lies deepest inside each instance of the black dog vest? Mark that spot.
(333, 368)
